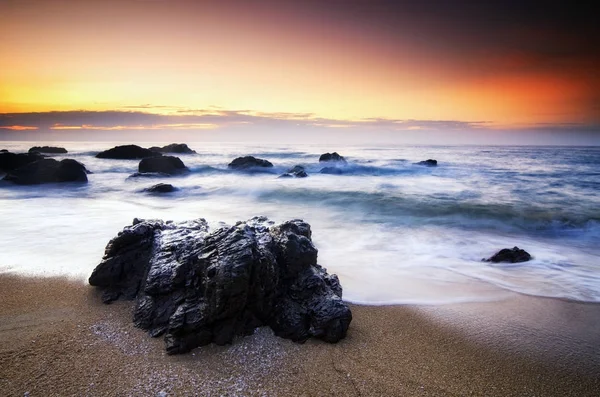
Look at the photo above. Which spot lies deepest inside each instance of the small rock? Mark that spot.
(332, 157)
(428, 163)
(161, 188)
(243, 163)
(514, 255)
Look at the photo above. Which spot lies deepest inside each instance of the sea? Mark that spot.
(395, 232)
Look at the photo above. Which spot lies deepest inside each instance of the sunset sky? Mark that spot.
(401, 66)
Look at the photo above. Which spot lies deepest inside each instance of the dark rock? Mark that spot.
(3, 151)
(243, 163)
(332, 171)
(48, 149)
(428, 163)
(295, 172)
(514, 255)
(127, 152)
(11, 161)
(165, 164)
(149, 175)
(198, 286)
(180, 148)
(161, 188)
(332, 157)
(48, 171)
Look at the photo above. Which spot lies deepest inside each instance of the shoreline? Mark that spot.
(57, 338)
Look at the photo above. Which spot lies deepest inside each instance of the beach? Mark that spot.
(57, 338)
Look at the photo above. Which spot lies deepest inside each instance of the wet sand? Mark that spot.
(57, 338)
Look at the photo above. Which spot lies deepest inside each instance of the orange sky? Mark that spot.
(280, 57)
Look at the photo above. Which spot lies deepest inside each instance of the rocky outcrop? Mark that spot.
(331, 157)
(11, 161)
(248, 162)
(297, 171)
(48, 171)
(48, 149)
(160, 188)
(428, 163)
(180, 148)
(332, 171)
(127, 152)
(163, 164)
(198, 286)
(514, 255)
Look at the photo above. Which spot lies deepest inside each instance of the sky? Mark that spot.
(411, 71)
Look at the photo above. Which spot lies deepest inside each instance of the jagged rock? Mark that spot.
(243, 163)
(11, 161)
(127, 152)
(332, 171)
(161, 188)
(48, 171)
(428, 163)
(514, 255)
(163, 164)
(180, 148)
(48, 149)
(297, 171)
(332, 157)
(198, 286)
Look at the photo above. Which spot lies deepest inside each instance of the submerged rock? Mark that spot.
(243, 163)
(297, 171)
(127, 152)
(332, 171)
(163, 164)
(149, 175)
(198, 286)
(48, 171)
(180, 148)
(428, 163)
(331, 157)
(48, 149)
(514, 255)
(161, 188)
(11, 161)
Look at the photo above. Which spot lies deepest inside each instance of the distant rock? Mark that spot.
(48, 171)
(428, 163)
(11, 161)
(3, 151)
(164, 164)
(332, 171)
(149, 175)
(243, 163)
(127, 152)
(514, 255)
(161, 188)
(332, 157)
(198, 286)
(297, 171)
(48, 149)
(180, 148)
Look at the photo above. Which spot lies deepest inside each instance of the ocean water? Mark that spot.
(393, 231)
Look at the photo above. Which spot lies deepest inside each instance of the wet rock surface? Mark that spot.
(48, 171)
(297, 171)
(196, 286)
(428, 163)
(248, 162)
(48, 149)
(331, 157)
(11, 161)
(127, 152)
(514, 255)
(162, 164)
(161, 188)
(180, 148)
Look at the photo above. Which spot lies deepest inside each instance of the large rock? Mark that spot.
(48, 149)
(180, 148)
(164, 164)
(48, 171)
(428, 163)
(11, 161)
(127, 152)
(198, 286)
(244, 163)
(331, 157)
(297, 171)
(514, 255)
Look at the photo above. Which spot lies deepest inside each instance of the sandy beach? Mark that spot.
(56, 338)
